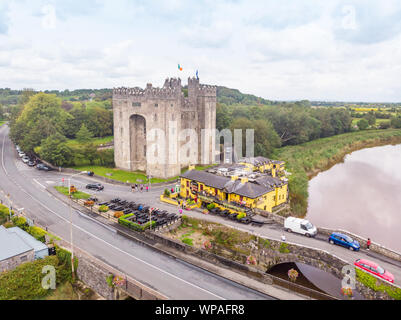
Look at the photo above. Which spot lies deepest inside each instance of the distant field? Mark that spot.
(127, 176)
(95, 141)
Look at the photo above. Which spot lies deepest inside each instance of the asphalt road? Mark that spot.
(173, 278)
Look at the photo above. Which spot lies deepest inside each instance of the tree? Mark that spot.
(40, 118)
(363, 124)
(84, 135)
(396, 122)
(55, 150)
(266, 138)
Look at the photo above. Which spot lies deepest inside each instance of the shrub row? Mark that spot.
(135, 226)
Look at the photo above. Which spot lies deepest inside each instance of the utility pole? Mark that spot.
(69, 202)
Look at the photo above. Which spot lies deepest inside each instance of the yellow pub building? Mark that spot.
(257, 186)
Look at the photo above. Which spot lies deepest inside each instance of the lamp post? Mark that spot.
(9, 204)
(69, 202)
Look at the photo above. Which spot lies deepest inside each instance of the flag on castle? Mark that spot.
(179, 67)
(197, 75)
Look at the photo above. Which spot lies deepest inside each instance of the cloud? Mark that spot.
(3, 18)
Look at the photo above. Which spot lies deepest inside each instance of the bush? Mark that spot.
(118, 214)
(211, 206)
(21, 223)
(188, 241)
(104, 209)
(64, 257)
(37, 233)
(284, 248)
(167, 193)
(135, 226)
(371, 282)
(89, 203)
(241, 216)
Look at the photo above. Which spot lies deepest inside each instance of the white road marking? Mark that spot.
(39, 184)
(107, 243)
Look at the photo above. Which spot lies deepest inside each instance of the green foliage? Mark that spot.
(284, 248)
(167, 193)
(64, 257)
(188, 241)
(375, 284)
(396, 122)
(37, 233)
(55, 150)
(25, 282)
(241, 216)
(211, 206)
(134, 226)
(75, 195)
(109, 280)
(84, 135)
(104, 208)
(21, 223)
(363, 124)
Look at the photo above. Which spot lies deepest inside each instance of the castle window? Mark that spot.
(144, 150)
(155, 117)
(172, 106)
(136, 104)
(156, 105)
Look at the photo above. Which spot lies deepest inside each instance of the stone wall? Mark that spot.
(94, 274)
(13, 262)
(375, 247)
(268, 254)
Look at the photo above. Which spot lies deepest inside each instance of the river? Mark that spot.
(361, 195)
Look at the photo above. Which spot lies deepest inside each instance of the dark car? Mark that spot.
(245, 220)
(104, 204)
(31, 163)
(42, 167)
(96, 186)
(225, 213)
(115, 200)
(94, 199)
(232, 216)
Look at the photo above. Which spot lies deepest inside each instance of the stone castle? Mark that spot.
(138, 111)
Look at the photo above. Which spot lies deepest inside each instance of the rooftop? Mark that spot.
(11, 244)
(257, 186)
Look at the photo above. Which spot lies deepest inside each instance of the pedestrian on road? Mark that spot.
(133, 188)
(181, 211)
(368, 244)
(283, 238)
(147, 188)
(141, 188)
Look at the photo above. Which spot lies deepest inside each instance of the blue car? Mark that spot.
(345, 241)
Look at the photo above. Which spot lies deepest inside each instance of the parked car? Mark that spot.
(375, 269)
(94, 199)
(21, 154)
(300, 226)
(31, 163)
(42, 167)
(345, 241)
(246, 220)
(96, 186)
(25, 159)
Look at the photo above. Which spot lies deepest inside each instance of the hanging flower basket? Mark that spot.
(347, 292)
(251, 260)
(293, 275)
(207, 245)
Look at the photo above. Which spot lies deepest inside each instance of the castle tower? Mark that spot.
(144, 116)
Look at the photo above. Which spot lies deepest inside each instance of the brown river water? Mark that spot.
(361, 195)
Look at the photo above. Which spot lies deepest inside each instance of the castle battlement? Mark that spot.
(137, 111)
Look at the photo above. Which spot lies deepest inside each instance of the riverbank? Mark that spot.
(307, 160)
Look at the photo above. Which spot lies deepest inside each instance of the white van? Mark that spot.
(301, 226)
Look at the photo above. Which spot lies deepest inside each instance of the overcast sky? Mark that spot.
(280, 50)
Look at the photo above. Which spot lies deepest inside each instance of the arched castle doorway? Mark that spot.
(138, 142)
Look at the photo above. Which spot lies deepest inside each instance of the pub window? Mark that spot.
(24, 258)
(136, 104)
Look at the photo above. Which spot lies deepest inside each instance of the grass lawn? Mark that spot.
(131, 177)
(2, 122)
(306, 160)
(95, 141)
(77, 195)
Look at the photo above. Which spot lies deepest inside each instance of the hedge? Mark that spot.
(373, 283)
(135, 226)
